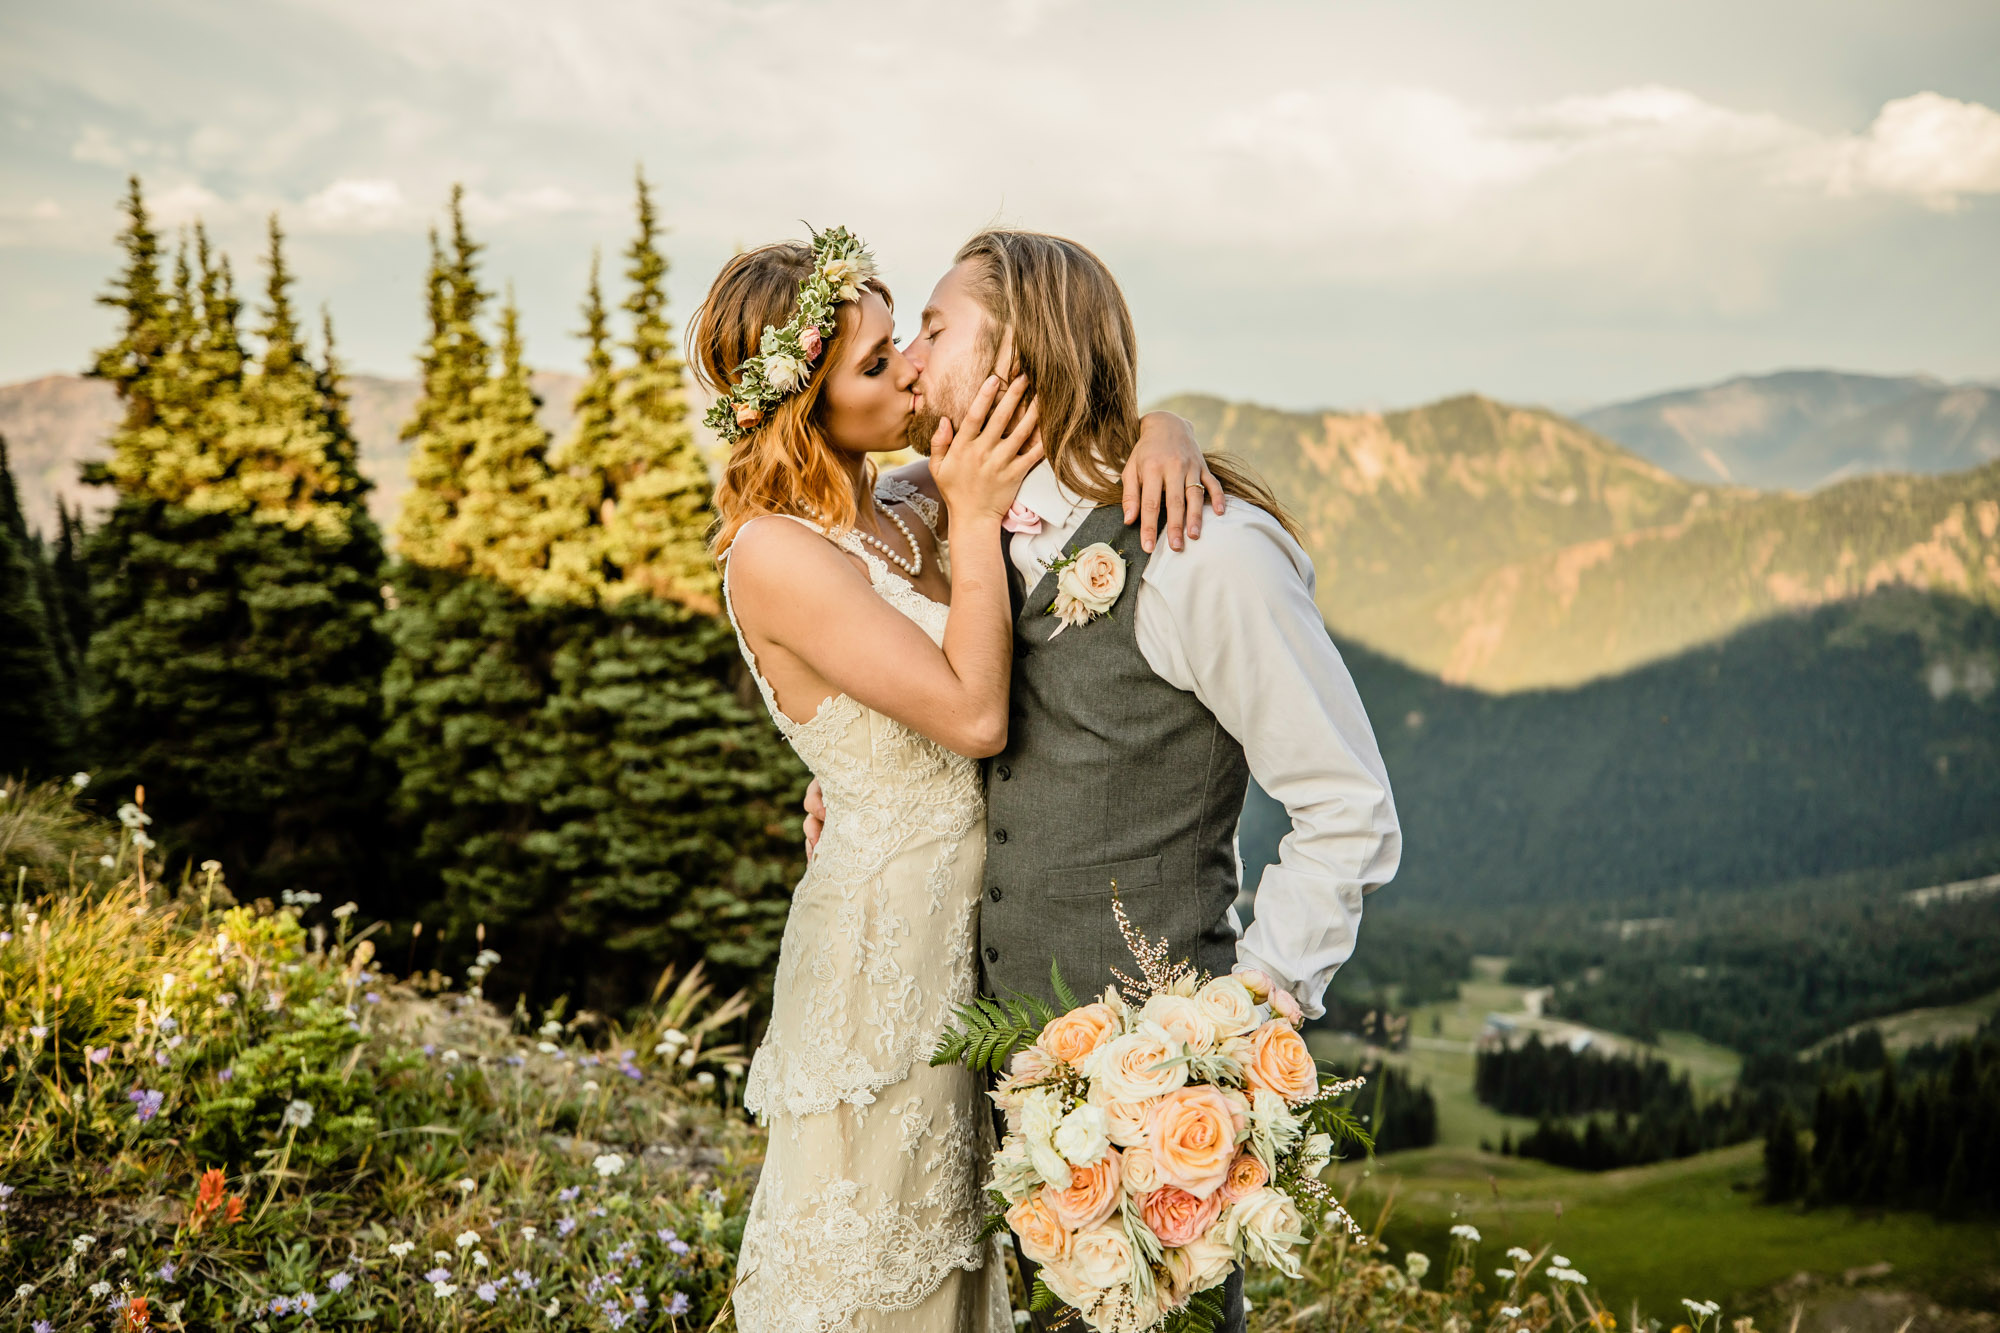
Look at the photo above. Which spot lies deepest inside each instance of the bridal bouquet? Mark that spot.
(1156, 1138)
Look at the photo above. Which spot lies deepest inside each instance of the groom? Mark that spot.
(1134, 732)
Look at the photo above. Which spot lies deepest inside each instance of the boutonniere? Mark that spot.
(1087, 583)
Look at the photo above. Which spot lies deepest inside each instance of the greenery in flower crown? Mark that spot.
(785, 357)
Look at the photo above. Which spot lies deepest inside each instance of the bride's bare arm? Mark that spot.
(819, 629)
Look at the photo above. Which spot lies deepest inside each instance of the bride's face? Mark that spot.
(867, 398)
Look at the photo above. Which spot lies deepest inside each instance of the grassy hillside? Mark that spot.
(1508, 548)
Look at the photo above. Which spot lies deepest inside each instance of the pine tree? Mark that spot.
(73, 583)
(662, 501)
(504, 522)
(1783, 1163)
(456, 362)
(37, 691)
(580, 485)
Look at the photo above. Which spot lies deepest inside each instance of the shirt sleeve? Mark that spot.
(1232, 620)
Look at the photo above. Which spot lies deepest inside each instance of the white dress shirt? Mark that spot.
(1231, 619)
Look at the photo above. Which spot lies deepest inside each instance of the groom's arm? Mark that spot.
(1234, 622)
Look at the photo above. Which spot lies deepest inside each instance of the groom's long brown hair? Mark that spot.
(1073, 334)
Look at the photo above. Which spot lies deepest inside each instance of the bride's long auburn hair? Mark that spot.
(785, 464)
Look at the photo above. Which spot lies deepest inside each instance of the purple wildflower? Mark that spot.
(280, 1305)
(487, 1292)
(523, 1278)
(167, 1271)
(44, 1326)
(339, 1282)
(148, 1101)
(679, 1246)
(569, 1192)
(225, 1074)
(679, 1304)
(371, 997)
(438, 1275)
(97, 1055)
(305, 1302)
(565, 1226)
(430, 1048)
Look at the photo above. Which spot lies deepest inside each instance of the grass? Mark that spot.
(1656, 1234)
(1915, 1027)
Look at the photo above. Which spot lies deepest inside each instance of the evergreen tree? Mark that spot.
(456, 361)
(72, 575)
(662, 501)
(37, 691)
(1783, 1163)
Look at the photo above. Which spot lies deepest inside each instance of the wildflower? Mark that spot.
(43, 1326)
(397, 1249)
(467, 1185)
(1504, 1274)
(716, 1196)
(371, 997)
(97, 1055)
(83, 1242)
(1559, 1261)
(552, 1028)
(524, 1279)
(79, 779)
(1605, 1320)
(547, 1047)
(590, 1085)
(1510, 1312)
(99, 1290)
(1519, 1255)
(444, 1290)
(1564, 1273)
(437, 1275)
(1466, 1232)
(704, 1080)
(487, 1292)
(467, 1239)
(116, 1254)
(608, 1164)
(450, 1057)
(1416, 1264)
(734, 1069)
(679, 1305)
(299, 1113)
(551, 1308)
(565, 1226)
(527, 1233)
(339, 1282)
(132, 817)
(479, 1259)
(633, 1072)
(147, 1100)
(107, 860)
(37, 1031)
(679, 1246)
(568, 1192)
(25, 1290)
(143, 842)
(440, 1256)
(305, 1302)
(345, 910)
(687, 1058)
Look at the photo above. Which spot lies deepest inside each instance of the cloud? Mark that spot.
(1933, 148)
(358, 206)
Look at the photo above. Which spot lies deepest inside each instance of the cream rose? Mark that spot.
(1181, 1018)
(1073, 1035)
(1200, 1264)
(1101, 1256)
(1227, 1004)
(1044, 1238)
(785, 371)
(1136, 1164)
(1124, 1122)
(1093, 1192)
(1081, 1137)
(1270, 1228)
(845, 277)
(1255, 980)
(1133, 1067)
(1094, 578)
(1193, 1139)
(1280, 1062)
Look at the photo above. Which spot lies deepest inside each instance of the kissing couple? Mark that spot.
(1009, 697)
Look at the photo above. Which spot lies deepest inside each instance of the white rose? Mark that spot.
(845, 277)
(1133, 1067)
(1182, 1019)
(1227, 1003)
(1094, 578)
(1101, 1256)
(1317, 1153)
(1041, 1113)
(1200, 1264)
(1269, 1226)
(785, 371)
(1125, 1122)
(1083, 1137)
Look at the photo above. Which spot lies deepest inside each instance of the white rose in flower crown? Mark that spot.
(1227, 1003)
(1269, 1227)
(785, 371)
(1133, 1067)
(1083, 1136)
(1101, 1256)
(1095, 578)
(1182, 1019)
(845, 276)
(1041, 1114)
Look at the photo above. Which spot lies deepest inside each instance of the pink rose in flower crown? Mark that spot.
(1193, 1139)
(1280, 1062)
(1177, 1217)
(1246, 1176)
(809, 342)
(1092, 1194)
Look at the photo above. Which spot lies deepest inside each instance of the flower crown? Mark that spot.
(785, 357)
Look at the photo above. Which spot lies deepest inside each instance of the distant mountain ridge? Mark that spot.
(1803, 429)
(1507, 548)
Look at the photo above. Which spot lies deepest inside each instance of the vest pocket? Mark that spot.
(1095, 881)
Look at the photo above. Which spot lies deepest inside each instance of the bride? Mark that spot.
(883, 654)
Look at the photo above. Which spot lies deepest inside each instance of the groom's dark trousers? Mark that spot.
(1111, 776)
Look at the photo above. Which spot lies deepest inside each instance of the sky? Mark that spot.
(1310, 204)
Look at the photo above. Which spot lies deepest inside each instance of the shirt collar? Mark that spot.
(1055, 503)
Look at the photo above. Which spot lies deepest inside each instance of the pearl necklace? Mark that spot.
(912, 568)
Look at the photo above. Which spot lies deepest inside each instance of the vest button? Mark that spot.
(999, 835)
(994, 893)
(1005, 773)
(992, 955)
(1020, 648)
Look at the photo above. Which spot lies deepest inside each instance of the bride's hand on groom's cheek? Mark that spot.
(978, 462)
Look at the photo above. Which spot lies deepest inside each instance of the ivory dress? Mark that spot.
(868, 1211)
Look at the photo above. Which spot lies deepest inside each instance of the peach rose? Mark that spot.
(1077, 1033)
(1125, 1122)
(1255, 980)
(748, 416)
(1137, 1168)
(1093, 1192)
(1182, 1019)
(1228, 1005)
(1280, 1062)
(1176, 1216)
(1134, 1067)
(1193, 1139)
(1246, 1176)
(1094, 578)
(1030, 1064)
(1044, 1239)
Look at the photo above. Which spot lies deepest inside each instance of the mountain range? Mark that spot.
(1803, 429)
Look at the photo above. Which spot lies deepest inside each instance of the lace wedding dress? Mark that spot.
(868, 1211)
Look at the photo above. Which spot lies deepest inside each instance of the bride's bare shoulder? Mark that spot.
(774, 552)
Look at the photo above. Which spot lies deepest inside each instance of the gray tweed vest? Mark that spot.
(1110, 773)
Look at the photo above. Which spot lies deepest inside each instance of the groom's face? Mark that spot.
(953, 352)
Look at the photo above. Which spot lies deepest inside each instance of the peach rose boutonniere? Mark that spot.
(1088, 582)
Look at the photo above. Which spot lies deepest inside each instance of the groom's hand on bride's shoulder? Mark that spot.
(1165, 467)
(815, 817)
